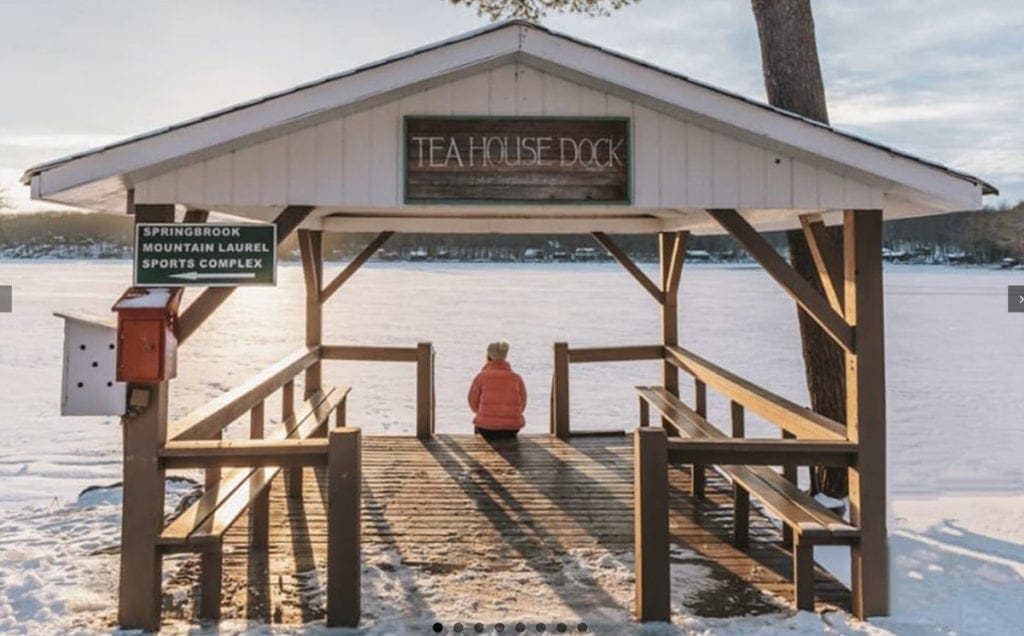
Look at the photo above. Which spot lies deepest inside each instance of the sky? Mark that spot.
(942, 79)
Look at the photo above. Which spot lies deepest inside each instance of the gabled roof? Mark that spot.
(108, 171)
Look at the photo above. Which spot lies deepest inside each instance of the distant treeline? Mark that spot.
(987, 235)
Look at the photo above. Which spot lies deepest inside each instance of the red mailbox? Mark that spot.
(147, 347)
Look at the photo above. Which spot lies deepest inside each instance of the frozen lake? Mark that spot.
(955, 400)
(954, 354)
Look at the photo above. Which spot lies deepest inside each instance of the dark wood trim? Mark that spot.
(816, 306)
(154, 213)
(353, 267)
(620, 255)
(826, 259)
(865, 410)
(212, 297)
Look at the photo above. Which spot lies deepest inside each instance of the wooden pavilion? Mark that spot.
(517, 129)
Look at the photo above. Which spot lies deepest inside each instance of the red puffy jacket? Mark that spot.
(498, 397)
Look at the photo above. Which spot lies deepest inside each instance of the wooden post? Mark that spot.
(310, 246)
(698, 478)
(142, 517)
(424, 390)
(865, 410)
(789, 472)
(650, 524)
(259, 513)
(740, 496)
(803, 575)
(560, 394)
(645, 412)
(343, 527)
(142, 514)
(668, 242)
(294, 474)
(211, 560)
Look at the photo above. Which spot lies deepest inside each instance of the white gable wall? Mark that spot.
(354, 161)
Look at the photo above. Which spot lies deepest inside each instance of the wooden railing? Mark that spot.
(564, 356)
(422, 355)
(210, 419)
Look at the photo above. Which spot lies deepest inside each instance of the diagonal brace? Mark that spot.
(618, 254)
(791, 282)
(827, 259)
(354, 266)
(212, 297)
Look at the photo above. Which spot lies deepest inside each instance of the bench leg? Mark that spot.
(787, 537)
(210, 583)
(697, 480)
(803, 575)
(344, 551)
(740, 516)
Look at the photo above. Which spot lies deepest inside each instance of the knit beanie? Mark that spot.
(497, 350)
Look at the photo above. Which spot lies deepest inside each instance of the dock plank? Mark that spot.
(510, 504)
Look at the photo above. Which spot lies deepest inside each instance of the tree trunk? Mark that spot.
(793, 81)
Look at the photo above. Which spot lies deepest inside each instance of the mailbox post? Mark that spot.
(147, 344)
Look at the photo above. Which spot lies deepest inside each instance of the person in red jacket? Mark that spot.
(497, 396)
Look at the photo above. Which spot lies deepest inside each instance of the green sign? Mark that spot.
(204, 255)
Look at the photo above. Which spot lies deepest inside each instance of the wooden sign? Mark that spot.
(517, 159)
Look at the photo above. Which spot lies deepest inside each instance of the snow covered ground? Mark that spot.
(955, 403)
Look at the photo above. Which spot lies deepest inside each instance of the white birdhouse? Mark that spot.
(89, 385)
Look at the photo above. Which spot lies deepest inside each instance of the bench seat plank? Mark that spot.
(207, 520)
(785, 500)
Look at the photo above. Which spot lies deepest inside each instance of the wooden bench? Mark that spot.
(201, 527)
(694, 440)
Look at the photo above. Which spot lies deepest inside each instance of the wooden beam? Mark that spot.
(505, 224)
(311, 250)
(650, 525)
(212, 297)
(424, 390)
(244, 452)
(344, 527)
(787, 415)
(740, 495)
(560, 391)
(826, 259)
(619, 255)
(865, 410)
(353, 267)
(193, 215)
(213, 416)
(667, 244)
(259, 512)
(798, 289)
(154, 213)
(762, 452)
(616, 354)
(671, 286)
(142, 518)
(368, 353)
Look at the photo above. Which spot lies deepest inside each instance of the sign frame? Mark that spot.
(200, 281)
(627, 202)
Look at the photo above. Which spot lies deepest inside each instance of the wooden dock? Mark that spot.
(459, 503)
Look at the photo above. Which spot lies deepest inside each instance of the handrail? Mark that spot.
(787, 415)
(616, 354)
(368, 353)
(212, 417)
(762, 452)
